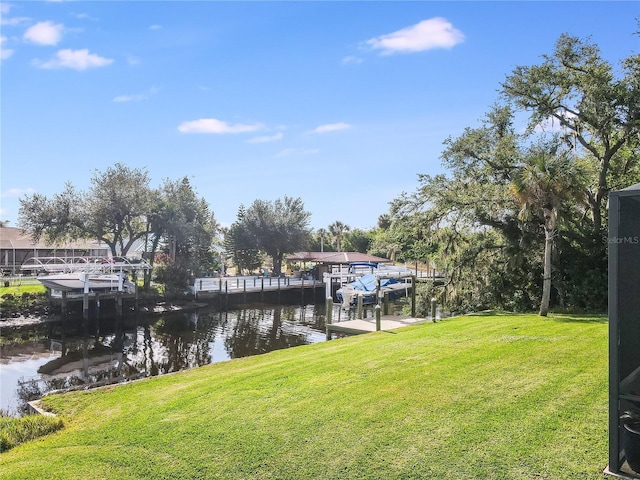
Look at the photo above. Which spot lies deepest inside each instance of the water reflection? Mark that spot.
(76, 354)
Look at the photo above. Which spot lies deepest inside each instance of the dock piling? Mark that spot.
(329, 315)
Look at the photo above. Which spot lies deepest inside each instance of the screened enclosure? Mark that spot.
(624, 332)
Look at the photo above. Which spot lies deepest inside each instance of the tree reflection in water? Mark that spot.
(106, 350)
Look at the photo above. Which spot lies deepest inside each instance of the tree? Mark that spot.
(278, 227)
(114, 210)
(358, 240)
(471, 222)
(599, 114)
(322, 235)
(241, 245)
(542, 186)
(188, 226)
(337, 230)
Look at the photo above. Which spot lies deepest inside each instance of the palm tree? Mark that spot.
(322, 234)
(337, 230)
(541, 186)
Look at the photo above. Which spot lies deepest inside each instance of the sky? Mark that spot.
(342, 104)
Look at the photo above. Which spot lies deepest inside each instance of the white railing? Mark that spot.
(249, 284)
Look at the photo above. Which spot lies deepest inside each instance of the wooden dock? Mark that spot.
(368, 325)
(211, 287)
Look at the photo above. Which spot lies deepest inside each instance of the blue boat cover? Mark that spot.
(368, 282)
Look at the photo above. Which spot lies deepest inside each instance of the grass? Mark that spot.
(21, 289)
(478, 397)
(14, 431)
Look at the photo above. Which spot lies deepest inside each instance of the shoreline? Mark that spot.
(151, 308)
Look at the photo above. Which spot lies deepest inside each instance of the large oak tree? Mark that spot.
(114, 210)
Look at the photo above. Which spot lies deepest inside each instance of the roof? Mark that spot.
(19, 239)
(632, 187)
(335, 257)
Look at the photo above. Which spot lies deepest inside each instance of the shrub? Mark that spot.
(17, 430)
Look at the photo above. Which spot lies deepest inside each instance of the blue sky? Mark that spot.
(339, 103)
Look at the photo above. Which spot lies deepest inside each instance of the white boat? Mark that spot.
(76, 281)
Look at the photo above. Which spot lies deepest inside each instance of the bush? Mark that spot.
(174, 277)
(17, 430)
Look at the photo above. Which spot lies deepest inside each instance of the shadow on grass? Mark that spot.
(558, 317)
(580, 317)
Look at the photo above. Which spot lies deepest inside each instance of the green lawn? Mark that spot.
(496, 397)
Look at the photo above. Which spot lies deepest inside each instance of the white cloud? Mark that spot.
(44, 33)
(5, 8)
(137, 97)
(351, 60)
(427, 35)
(84, 16)
(266, 138)
(287, 152)
(75, 59)
(16, 192)
(4, 52)
(155, 27)
(331, 127)
(212, 125)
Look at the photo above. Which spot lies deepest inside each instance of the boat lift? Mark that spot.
(85, 264)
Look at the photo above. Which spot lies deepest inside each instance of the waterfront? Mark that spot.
(61, 355)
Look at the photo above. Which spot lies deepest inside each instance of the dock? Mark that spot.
(231, 290)
(368, 325)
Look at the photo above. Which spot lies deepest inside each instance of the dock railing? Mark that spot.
(247, 284)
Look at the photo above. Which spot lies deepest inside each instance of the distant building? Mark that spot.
(326, 262)
(17, 246)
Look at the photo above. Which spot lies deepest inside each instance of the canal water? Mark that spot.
(71, 354)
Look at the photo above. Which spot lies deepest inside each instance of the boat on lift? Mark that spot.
(77, 281)
(382, 280)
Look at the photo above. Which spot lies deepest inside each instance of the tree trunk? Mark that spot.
(546, 277)
(277, 264)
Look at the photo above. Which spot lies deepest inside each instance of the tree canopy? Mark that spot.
(472, 220)
(114, 210)
(273, 227)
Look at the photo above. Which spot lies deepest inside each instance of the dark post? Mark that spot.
(385, 310)
(378, 320)
(329, 314)
(413, 296)
(63, 303)
(85, 306)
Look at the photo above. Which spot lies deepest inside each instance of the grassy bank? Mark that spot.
(22, 300)
(499, 397)
(14, 431)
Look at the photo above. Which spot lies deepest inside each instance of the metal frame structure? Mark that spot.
(624, 318)
(84, 264)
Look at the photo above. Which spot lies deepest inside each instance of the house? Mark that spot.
(17, 246)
